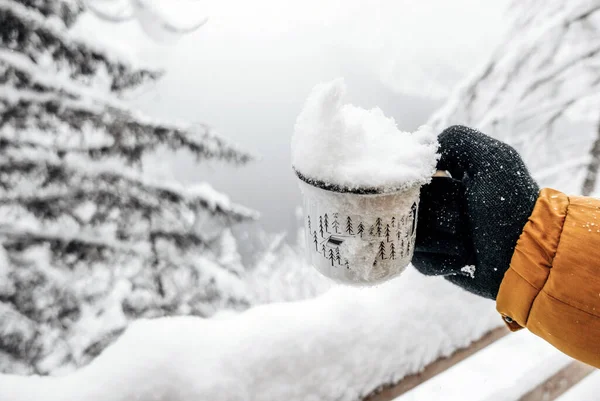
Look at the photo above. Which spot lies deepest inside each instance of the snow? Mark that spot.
(205, 191)
(82, 168)
(470, 270)
(56, 27)
(343, 148)
(159, 23)
(14, 96)
(58, 82)
(64, 291)
(199, 137)
(164, 24)
(338, 346)
(587, 389)
(541, 76)
(503, 371)
(17, 230)
(281, 274)
(354, 148)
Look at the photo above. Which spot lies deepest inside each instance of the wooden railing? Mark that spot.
(560, 382)
(549, 390)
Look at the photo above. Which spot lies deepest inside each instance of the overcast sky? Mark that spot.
(248, 70)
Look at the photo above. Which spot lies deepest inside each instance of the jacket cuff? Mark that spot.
(514, 300)
(532, 259)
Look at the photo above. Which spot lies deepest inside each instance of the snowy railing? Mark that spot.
(560, 382)
(340, 346)
(548, 390)
(435, 368)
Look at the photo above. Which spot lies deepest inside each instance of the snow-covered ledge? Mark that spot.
(339, 346)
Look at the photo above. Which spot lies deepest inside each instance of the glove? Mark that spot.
(468, 225)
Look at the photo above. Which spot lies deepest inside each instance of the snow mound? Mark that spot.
(353, 148)
(339, 346)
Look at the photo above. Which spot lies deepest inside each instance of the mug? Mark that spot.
(359, 237)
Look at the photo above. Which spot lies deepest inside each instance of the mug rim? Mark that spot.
(327, 186)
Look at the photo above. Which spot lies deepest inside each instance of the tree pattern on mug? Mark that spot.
(321, 225)
(392, 251)
(335, 224)
(349, 227)
(381, 252)
(392, 236)
(361, 229)
(331, 256)
(378, 225)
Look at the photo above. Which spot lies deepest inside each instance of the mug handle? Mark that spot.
(442, 173)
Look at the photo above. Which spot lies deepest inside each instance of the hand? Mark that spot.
(474, 219)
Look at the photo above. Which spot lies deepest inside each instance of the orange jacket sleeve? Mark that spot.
(553, 284)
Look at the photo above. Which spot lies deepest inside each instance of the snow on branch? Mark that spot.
(43, 38)
(181, 240)
(123, 12)
(543, 72)
(147, 12)
(589, 52)
(85, 245)
(534, 56)
(130, 136)
(78, 181)
(70, 242)
(91, 239)
(35, 95)
(66, 10)
(17, 332)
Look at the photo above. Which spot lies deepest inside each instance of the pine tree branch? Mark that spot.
(182, 240)
(529, 47)
(17, 331)
(555, 107)
(109, 185)
(556, 70)
(66, 10)
(503, 72)
(130, 137)
(41, 38)
(8, 141)
(68, 200)
(34, 95)
(73, 242)
(85, 245)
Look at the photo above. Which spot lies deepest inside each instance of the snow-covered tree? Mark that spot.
(87, 239)
(281, 273)
(544, 76)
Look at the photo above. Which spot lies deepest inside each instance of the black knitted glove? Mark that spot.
(475, 218)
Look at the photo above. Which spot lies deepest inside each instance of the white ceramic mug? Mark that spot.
(360, 239)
